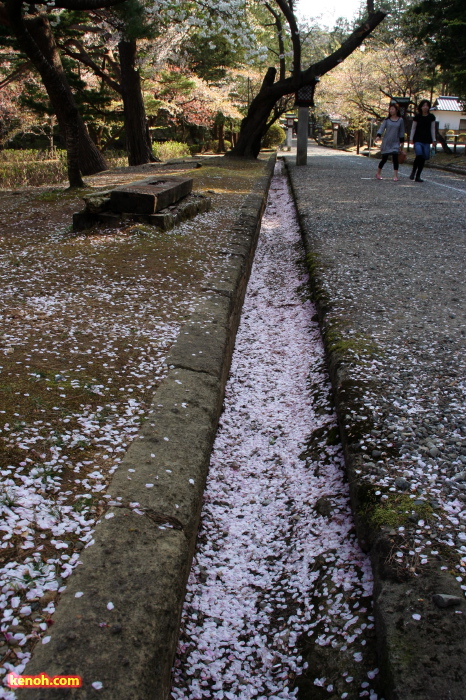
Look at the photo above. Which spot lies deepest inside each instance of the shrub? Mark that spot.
(171, 149)
(31, 168)
(461, 138)
(274, 137)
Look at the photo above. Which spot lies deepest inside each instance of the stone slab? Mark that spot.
(149, 196)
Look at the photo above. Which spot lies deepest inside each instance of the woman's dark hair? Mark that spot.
(397, 107)
(422, 102)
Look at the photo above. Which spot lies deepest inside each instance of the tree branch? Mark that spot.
(281, 43)
(84, 58)
(80, 5)
(295, 38)
(312, 74)
(23, 68)
(352, 42)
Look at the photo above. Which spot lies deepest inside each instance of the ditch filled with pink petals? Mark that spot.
(279, 596)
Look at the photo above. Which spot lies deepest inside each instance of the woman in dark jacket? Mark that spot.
(422, 135)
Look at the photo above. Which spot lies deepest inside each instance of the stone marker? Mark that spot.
(442, 600)
(149, 196)
(161, 202)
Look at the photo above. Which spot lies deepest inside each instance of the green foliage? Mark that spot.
(207, 62)
(274, 137)
(171, 149)
(19, 168)
(173, 82)
(391, 30)
(441, 26)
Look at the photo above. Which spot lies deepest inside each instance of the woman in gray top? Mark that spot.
(393, 131)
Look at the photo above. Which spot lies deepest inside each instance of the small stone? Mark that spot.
(461, 476)
(48, 597)
(442, 600)
(402, 483)
(434, 452)
(376, 453)
(323, 507)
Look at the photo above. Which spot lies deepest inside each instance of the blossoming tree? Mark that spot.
(259, 118)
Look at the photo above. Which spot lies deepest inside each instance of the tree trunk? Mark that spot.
(138, 143)
(73, 150)
(442, 140)
(221, 138)
(36, 40)
(56, 83)
(255, 124)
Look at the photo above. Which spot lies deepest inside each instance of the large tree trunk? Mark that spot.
(255, 124)
(61, 97)
(138, 144)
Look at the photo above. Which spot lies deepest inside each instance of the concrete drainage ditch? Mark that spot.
(279, 597)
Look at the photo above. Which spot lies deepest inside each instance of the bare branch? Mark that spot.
(287, 10)
(23, 68)
(83, 57)
(281, 43)
(80, 5)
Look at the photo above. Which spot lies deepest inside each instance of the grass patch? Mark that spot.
(33, 168)
(394, 511)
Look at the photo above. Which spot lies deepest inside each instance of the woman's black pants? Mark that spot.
(385, 158)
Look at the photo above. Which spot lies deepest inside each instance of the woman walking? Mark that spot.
(422, 135)
(393, 131)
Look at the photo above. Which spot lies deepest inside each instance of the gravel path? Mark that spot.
(278, 574)
(389, 265)
(395, 262)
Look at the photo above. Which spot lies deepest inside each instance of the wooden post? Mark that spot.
(303, 129)
(289, 138)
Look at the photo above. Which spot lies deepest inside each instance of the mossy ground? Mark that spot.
(393, 510)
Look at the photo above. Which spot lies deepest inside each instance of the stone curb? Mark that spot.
(416, 663)
(122, 629)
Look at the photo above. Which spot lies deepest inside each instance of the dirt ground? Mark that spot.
(86, 321)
